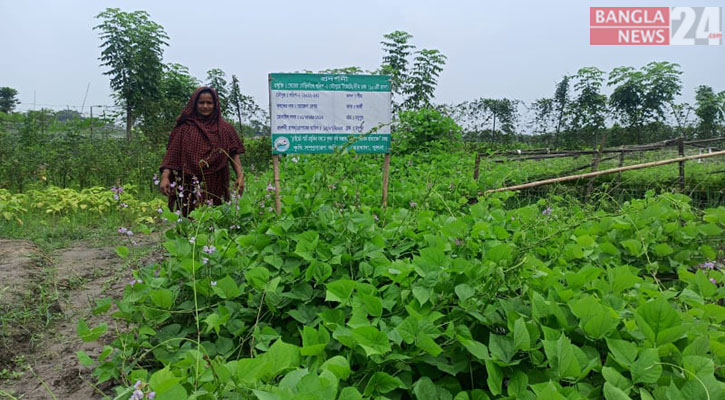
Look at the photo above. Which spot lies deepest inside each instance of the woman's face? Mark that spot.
(205, 104)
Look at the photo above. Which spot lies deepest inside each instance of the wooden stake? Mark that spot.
(681, 150)
(277, 187)
(621, 164)
(605, 172)
(386, 175)
(595, 165)
(476, 166)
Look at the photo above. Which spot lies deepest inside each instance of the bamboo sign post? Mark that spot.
(319, 113)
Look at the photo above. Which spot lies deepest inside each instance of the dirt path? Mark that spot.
(50, 293)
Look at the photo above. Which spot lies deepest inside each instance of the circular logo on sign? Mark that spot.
(281, 144)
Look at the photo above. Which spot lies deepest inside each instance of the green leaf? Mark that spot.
(122, 251)
(162, 298)
(339, 366)
(612, 392)
(314, 341)
(350, 393)
(464, 292)
(502, 347)
(84, 359)
(633, 246)
(647, 368)
(227, 288)
(659, 322)
(624, 352)
(319, 271)
(613, 376)
(494, 378)
(340, 291)
(371, 340)
(382, 383)
(522, 339)
(257, 277)
(425, 389)
(107, 351)
(663, 250)
(595, 319)
(282, 356)
(373, 304)
(518, 383)
(163, 381)
(90, 335)
(478, 349)
(698, 366)
(562, 359)
(426, 343)
(421, 294)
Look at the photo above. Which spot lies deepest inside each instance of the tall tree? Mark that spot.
(710, 110)
(236, 98)
(641, 96)
(159, 116)
(489, 115)
(216, 78)
(133, 51)
(589, 105)
(395, 62)
(8, 99)
(423, 79)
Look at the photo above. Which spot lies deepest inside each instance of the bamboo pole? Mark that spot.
(386, 175)
(681, 151)
(277, 186)
(621, 164)
(595, 165)
(604, 172)
(476, 167)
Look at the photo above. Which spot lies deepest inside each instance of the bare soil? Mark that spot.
(39, 361)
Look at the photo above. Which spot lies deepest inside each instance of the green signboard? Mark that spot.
(315, 113)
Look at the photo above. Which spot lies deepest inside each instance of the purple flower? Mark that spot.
(129, 233)
(133, 282)
(173, 184)
(115, 197)
(192, 239)
(204, 260)
(160, 210)
(138, 384)
(137, 395)
(547, 211)
(209, 202)
(714, 282)
(177, 212)
(122, 230)
(124, 205)
(213, 283)
(270, 187)
(156, 180)
(209, 249)
(270, 209)
(151, 395)
(412, 204)
(709, 265)
(261, 204)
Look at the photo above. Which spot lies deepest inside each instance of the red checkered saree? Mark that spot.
(200, 150)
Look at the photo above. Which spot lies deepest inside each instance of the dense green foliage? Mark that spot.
(430, 298)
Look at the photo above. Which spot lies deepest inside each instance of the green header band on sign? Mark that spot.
(330, 82)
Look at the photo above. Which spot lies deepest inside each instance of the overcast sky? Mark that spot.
(513, 49)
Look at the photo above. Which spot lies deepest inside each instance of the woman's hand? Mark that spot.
(165, 185)
(240, 184)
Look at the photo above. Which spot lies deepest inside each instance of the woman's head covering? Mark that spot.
(189, 113)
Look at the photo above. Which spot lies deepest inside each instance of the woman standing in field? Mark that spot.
(195, 168)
